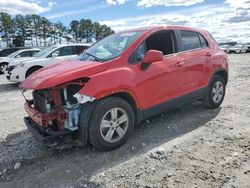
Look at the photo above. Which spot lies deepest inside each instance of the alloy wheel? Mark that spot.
(218, 91)
(114, 125)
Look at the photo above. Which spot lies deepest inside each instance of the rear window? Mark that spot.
(190, 40)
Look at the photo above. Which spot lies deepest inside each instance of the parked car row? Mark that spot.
(238, 48)
(23, 54)
(19, 65)
(7, 51)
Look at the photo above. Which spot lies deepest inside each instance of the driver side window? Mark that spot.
(163, 41)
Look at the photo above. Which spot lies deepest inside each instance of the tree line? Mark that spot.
(21, 28)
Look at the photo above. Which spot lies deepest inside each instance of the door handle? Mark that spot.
(209, 54)
(179, 63)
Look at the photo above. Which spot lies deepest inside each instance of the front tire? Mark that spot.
(111, 123)
(216, 92)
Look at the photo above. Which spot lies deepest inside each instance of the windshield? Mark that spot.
(12, 55)
(44, 52)
(110, 47)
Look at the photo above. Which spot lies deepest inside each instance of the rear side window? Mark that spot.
(190, 40)
(203, 41)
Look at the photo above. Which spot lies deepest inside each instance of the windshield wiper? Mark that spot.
(96, 58)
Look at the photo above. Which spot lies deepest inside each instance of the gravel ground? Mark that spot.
(191, 146)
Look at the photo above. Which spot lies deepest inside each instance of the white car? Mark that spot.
(238, 49)
(248, 47)
(20, 54)
(18, 71)
(224, 47)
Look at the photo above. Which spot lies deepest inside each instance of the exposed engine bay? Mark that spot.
(57, 108)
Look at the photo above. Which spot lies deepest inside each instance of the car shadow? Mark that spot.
(81, 163)
(9, 87)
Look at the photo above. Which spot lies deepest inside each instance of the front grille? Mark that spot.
(41, 99)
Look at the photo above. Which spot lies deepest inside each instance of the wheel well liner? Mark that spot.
(222, 73)
(127, 97)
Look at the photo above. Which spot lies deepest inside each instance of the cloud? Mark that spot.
(150, 3)
(238, 16)
(23, 7)
(245, 4)
(219, 19)
(114, 2)
(67, 13)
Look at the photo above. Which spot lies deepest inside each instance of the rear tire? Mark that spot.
(111, 123)
(216, 92)
(1, 67)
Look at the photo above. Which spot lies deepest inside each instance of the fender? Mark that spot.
(110, 82)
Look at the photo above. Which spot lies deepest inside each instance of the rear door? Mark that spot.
(196, 54)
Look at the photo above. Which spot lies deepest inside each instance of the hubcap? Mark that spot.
(218, 91)
(114, 125)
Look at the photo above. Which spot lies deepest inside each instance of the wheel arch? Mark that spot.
(223, 73)
(36, 66)
(4, 62)
(128, 97)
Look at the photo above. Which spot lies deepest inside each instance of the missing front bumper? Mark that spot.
(43, 134)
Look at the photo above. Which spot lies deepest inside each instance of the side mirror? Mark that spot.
(18, 56)
(152, 56)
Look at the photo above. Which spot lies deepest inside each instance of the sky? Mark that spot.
(227, 20)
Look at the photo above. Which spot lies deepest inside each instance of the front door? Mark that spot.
(161, 81)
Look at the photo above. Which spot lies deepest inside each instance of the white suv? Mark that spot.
(17, 71)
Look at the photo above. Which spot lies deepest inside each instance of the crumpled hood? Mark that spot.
(60, 73)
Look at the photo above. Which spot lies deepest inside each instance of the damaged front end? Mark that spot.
(55, 112)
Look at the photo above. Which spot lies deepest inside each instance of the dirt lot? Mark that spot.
(187, 147)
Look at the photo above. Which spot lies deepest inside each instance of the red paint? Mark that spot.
(153, 56)
(165, 79)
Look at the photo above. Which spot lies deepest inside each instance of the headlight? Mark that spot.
(12, 67)
(81, 98)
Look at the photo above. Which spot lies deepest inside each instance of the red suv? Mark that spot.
(123, 79)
